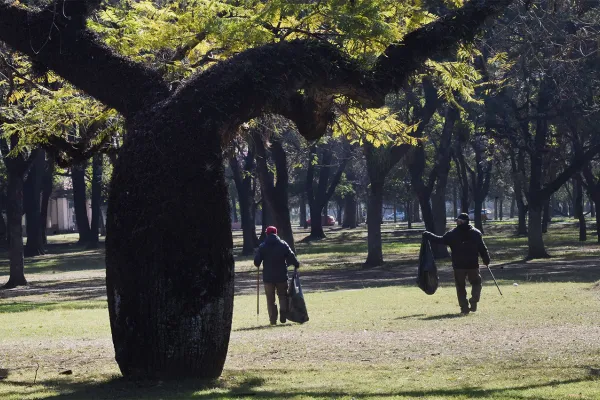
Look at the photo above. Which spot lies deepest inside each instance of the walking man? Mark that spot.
(466, 244)
(276, 255)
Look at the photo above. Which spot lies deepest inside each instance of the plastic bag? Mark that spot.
(427, 277)
(296, 305)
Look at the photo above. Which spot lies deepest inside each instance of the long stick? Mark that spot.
(488, 267)
(257, 292)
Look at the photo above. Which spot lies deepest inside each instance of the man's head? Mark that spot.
(462, 219)
(271, 230)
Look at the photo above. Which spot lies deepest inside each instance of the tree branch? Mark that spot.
(56, 37)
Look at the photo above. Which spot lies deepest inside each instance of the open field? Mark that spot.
(372, 333)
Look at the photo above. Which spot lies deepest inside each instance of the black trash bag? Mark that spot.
(296, 305)
(427, 278)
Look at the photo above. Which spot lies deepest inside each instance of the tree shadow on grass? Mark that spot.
(261, 327)
(248, 384)
(443, 316)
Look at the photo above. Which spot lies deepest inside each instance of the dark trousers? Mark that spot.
(270, 289)
(460, 277)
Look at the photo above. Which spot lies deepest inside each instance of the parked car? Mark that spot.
(326, 220)
(485, 215)
(390, 216)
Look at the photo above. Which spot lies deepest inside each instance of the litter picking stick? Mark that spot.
(488, 267)
(257, 292)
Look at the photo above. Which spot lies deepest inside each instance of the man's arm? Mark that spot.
(433, 238)
(290, 257)
(258, 257)
(483, 251)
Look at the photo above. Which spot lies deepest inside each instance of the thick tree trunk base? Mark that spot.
(373, 261)
(312, 237)
(15, 282)
(33, 252)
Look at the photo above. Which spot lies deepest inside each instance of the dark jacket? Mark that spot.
(466, 244)
(276, 255)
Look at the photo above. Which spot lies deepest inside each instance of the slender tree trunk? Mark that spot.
(454, 202)
(374, 205)
(245, 190)
(496, 208)
(97, 170)
(513, 203)
(477, 216)
(415, 208)
(535, 239)
(32, 203)
(303, 209)
(592, 208)
(597, 221)
(79, 202)
(350, 211)
(546, 216)
(234, 208)
(438, 203)
(579, 209)
(409, 214)
(340, 207)
(46, 193)
(522, 225)
(14, 212)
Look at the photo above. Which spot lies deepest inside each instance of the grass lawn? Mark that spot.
(372, 333)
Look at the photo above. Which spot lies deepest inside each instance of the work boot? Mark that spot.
(464, 310)
(282, 318)
(473, 305)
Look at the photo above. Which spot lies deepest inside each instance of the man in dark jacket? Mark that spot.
(467, 245)
(276, 255)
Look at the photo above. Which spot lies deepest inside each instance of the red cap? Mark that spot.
(270, 230)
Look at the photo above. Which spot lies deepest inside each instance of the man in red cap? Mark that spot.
(467, 245)
(276, 255)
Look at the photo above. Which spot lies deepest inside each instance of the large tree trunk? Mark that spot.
(32, 203)
(477, 214)
(169, 260)
(374, 205)
(79, 202)
(14, 214)
(97, 164)
(501, 211)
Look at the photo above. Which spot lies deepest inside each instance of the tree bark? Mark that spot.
(350, 211)
(234, 209)
(501, 208)
(513, 203)
(80, 203)
(97, 170)
(243, 184)
(47, 184)
(14, 213)
(374, 205)
(302, 210)
(579, 211)
(275, 194)
(32, 204)
(536, 248)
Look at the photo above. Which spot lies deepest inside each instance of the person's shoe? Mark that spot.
(473, 306)
(282, 319)
(273, 322)
(464, 311)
